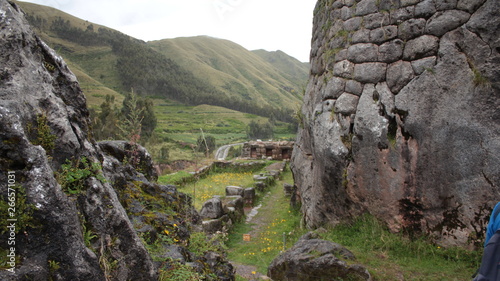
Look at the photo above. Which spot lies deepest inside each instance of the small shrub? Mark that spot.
(479, 79)
(73, 175)
(200, 244)
(179, 272)
(23, 211)
(43, 134)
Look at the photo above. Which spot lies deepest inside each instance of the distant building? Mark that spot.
(277, 150)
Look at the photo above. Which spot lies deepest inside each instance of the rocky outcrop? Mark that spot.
(400, 116)
(83, 211)
(45, 122)
(315, 259)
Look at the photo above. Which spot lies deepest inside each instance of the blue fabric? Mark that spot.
(494, 223)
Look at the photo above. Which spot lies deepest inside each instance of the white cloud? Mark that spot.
(255, 24)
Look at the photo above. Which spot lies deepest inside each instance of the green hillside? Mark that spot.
(289, 67)
(192, 71)
(235, 71)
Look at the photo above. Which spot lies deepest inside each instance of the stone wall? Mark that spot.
(268, 149)
(400, 116)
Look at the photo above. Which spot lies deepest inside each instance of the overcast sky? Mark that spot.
(255, 24)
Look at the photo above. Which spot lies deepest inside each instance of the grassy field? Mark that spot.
(180, 126)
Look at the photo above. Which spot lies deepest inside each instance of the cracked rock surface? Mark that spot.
(420, 148)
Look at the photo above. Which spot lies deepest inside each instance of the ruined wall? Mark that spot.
(268, 149)
(401, 115)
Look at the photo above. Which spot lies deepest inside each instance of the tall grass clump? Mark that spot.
(389, 255)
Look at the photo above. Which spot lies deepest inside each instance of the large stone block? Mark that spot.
(425, 9)
(400, 15)
(398, 75)
(411, 28)
(443, 22)
(353, 24)
(343, 69)
(419, 66)
(334, 88)
(376, 20)
(363, 52)
(391, 51)
(354, 87)
(366, 7)
(423, 46)
(383, 34)
(444, 5)
(234, 190)
(346, 104)
(370, 72)
(469, 6)
(312, 259)
(361, 36)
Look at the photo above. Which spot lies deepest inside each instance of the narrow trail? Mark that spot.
(258, 223)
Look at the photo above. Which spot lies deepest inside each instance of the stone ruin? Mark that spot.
(276, 150)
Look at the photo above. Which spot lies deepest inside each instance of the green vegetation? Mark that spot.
(215, 184)
(21, 210)
(42, 134)
(479, 79)
(74, 173)
(388, 255)
(179, 178)
(267, 241)
(260, 131)
(199, 244)
(193, 71)
(179, 272)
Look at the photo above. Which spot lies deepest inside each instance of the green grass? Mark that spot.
(215, 184)
(388, 255)
(267, 243)
(178, 178)
(180, 123)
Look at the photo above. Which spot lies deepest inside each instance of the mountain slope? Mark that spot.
(233, 70)
(198, 70)
(289, 66)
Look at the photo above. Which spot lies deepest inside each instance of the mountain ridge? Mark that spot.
(216, 72)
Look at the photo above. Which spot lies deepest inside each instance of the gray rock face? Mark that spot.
(424, 136)
(90, 225)
(37, 90)
(212, 209)
(316, 259)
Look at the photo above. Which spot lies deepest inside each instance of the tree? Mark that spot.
(206, 144)
(106, 121)
(132, 114)
(256, 130)
(139, 114)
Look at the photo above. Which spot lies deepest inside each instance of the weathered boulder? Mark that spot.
(315, 259)
(212, 209)
(44, 122)
(84, 204)
(234, 191)
(421, 149)
(134, 154)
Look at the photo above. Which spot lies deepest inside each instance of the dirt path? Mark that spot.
(259, 223)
